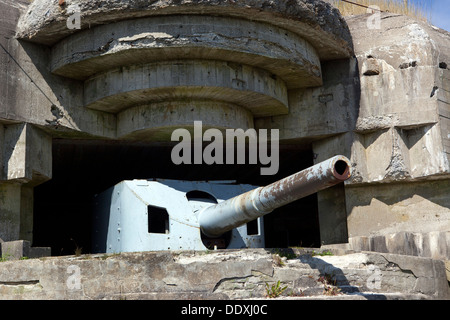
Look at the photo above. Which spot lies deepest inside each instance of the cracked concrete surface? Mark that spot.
(223, 274)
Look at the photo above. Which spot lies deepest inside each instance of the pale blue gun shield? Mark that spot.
(147, 215)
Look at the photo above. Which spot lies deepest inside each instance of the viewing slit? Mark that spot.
(252, 228)
(158, 220)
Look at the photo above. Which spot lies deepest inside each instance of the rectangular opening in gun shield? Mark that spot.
(252, 228)
(158, 220)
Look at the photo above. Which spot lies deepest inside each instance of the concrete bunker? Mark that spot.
(131, 74)
(84, 109)
(284, 65)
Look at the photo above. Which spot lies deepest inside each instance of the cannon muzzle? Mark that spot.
(217, 219)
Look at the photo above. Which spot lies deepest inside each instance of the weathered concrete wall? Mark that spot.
(399, 109)
(433, 244)
(443, 97)
(26, 154)
(31, 94)
(385, 110)
(388, 208)
(241, 274)
(328, 110)
(26, 162)
(400, 134)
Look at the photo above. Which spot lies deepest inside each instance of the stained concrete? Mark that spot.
(145, 121)
(21, 249)
(388, 208)
(118, 89)
(46, 23)
(432, 244)
(229, 274)
(129, 42)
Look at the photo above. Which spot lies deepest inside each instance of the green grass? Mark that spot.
(323, 253)
(275, 290)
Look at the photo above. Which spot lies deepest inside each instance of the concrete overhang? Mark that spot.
(239, 53)
(316, 21)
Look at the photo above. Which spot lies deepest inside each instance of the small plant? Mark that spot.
(277, 260)
(278, 256)
(275, 290)
(78, 250)
(329, 285)
(6, 256)
(108, 255)
(331, 291)
(327, 279)
(324, 253)
(283, 253)
(300, 293)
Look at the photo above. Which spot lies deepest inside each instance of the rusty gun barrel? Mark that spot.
(229, 214)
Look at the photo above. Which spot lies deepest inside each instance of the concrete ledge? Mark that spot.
(223, 274)
(146, 40)
(255, 89)
(16, 250)
(316, 21)
(434, 244)
(158, 120)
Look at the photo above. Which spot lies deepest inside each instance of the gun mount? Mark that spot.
(147, 215)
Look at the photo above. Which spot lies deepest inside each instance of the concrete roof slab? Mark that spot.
(316, 21)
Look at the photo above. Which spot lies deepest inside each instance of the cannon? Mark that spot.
(159, 214)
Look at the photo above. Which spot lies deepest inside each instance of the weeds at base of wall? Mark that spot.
(275, 290)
